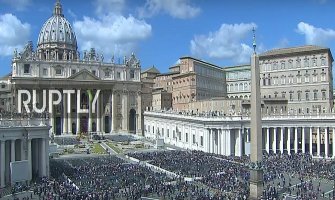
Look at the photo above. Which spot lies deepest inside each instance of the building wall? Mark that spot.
(238, 81)
(302, 76)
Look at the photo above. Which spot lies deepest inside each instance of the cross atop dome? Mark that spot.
(58, 9)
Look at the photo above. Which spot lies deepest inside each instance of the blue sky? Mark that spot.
(161, 31)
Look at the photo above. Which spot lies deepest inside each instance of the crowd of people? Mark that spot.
(214, 177)
(109, 177)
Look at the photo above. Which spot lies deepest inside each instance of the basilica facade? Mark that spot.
(56, 64)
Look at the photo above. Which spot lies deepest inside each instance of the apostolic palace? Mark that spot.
(195, 105)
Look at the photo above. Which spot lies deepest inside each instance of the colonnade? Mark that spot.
(225, 141)
(35, 151)
(317, 141)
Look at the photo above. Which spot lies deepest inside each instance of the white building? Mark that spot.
(57, 64)
(24, 139)
(230, 135)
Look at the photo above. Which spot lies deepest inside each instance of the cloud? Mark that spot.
(17, 4)
(225, 43)
(314, 35)
(13, 34)
(109, 6)
(181, 9)
(111, 34)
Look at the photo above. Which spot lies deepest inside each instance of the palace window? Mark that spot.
(299, 96)
(307, 96)
(186, 137)
(193, 140)
(202, 140)
(323, 95)
(118, 75)
(107, 74)
(94, 72)
(323, 61)
(45, 71)
(26, 69)
(132, 74)
(73, 71)
(58, 71)
(315, 95)
(3, 86)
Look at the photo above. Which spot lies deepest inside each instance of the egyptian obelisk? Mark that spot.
(256, 171)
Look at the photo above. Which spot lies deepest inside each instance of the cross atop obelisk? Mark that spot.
(256, 155)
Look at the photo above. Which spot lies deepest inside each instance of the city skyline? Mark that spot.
(159, 32)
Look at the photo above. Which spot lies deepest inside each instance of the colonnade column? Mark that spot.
(219, 142)
(288, 141)
(209, 140)
(239, 142)
(12, 151)
(2, 164)
(296, 139)
(311, 141)
(228, 143)
(43, 160)
(303, 140)
(318, 142)
(29, 159)
(267, 145)
(223, 141)
(274, 144)
(281, 140)
(326, 142)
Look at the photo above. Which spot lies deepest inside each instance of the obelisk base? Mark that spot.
(256, 184)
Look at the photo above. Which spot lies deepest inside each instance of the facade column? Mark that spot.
(311, 141)
(333, 142)
(78, 114)
(139, 113)
(289, 141)
(69, 120)
(274, 144)
(267, 147)
(303, 140)
(114, 111)
(228, 142)
(65, 119)
(98, 114)
(125, 113)
(326, 143)
(296, 139)
(281, 144)
(2, 166)
(318, 142)
(89, 125)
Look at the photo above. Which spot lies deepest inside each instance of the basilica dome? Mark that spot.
(57, 35)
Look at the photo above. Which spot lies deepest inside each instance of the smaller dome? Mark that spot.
(57, 32)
